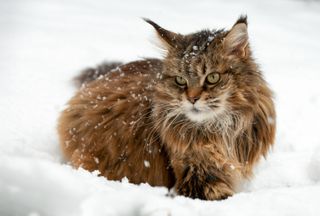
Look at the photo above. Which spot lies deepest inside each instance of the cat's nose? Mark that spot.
(194, 94)
(193, 99)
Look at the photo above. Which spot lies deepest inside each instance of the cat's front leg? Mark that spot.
(200, 181)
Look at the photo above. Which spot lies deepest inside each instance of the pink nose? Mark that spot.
(194, 94)
(193, 99)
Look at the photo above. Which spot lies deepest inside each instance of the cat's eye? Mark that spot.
(212, 78)
(180, 81)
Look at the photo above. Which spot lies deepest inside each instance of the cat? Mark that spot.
(197, 121)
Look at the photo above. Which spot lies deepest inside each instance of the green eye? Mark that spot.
(181, 81)
(213, 78)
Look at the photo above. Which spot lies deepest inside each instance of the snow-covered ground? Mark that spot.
(44, 43)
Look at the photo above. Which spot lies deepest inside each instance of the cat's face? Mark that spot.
(204, 74)
(196, 88)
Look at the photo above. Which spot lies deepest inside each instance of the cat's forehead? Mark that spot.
(200, 65)
(199, 42)
(198, 56)
(202, 48)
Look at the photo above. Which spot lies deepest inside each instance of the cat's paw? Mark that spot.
(217, 191)
(210, 188)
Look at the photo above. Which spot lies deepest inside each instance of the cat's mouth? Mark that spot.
(195, 110)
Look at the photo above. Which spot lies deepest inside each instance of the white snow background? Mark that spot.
(45, 43)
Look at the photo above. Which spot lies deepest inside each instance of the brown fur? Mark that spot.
(129, 123)
(91, 74)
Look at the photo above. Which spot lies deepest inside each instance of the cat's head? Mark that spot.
(206, 74)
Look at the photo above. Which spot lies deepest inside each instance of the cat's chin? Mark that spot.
(198, 113)
(199, 116)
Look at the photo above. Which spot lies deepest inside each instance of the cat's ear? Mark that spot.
(169, 39)
(236, 42)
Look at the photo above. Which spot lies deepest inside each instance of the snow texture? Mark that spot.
(44, 44)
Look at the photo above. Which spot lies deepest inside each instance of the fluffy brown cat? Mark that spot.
(198, 120)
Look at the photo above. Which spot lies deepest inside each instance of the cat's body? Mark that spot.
(112, 121)
(197, 120)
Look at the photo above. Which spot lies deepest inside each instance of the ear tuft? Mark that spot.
(168, 38)
(236, 41)
(242, 19)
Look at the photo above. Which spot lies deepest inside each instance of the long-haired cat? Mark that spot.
(198, 120)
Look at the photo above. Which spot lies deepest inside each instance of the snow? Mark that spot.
(44, 44)
(146, 163)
